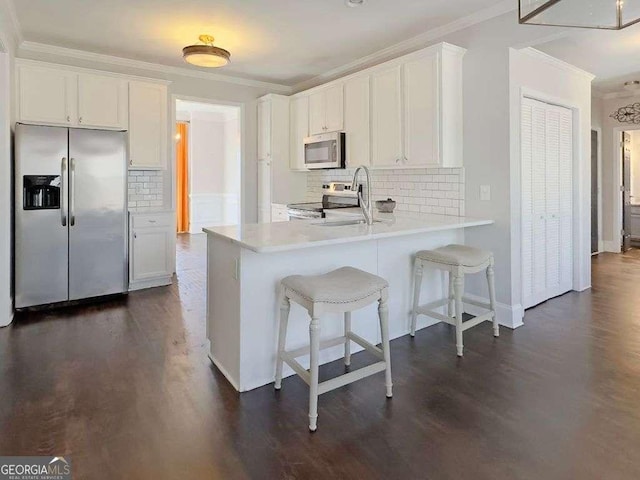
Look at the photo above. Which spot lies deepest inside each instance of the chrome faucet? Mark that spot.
(367, 207)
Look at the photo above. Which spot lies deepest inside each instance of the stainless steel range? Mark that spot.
(334, 195)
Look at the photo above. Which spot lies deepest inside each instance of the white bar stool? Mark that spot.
(340, 291)
(458, 260)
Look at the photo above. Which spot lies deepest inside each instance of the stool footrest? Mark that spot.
(366, 345)
(476, 320)
(299, 369)
(469, 301)
(299, 352)
(436, 304)
(350, 377)
(430, 313)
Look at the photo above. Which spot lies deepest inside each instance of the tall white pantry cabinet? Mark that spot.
(547, 201)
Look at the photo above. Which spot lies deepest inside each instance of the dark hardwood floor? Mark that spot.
(126, 389)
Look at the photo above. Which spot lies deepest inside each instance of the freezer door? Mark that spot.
(97, 213)
(41, 234)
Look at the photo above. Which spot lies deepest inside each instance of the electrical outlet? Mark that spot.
(485, 193)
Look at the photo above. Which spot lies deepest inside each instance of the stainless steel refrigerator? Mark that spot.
(70, 214)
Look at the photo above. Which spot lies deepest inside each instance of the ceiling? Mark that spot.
(280, 41)
(612, 56)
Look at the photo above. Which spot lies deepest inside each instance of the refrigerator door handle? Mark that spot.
(72, 181)
(63, 213)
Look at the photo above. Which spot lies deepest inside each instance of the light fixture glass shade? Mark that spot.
(206, 56)
(602, 14)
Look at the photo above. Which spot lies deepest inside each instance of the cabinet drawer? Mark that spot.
(151, 220)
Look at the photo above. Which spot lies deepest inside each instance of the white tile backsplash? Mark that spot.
(426, 190)
(145, 188)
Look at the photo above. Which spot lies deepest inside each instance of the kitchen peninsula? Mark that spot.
(245, 264)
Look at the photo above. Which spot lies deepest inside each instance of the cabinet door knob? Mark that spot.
(68, 118)
(397, 160)
(80, 120)
(131, 161)
(135, 235)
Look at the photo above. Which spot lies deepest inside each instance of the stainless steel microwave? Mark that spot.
(326, 150)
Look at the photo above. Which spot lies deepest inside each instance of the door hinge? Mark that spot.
(622, 188)
(622, 232)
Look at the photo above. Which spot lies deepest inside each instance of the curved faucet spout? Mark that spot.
(366, 206)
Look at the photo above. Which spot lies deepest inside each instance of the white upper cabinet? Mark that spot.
(326, 110)
(299, 131)
(53, 96)
(404, 113)
(264, 129)
(46, 96)
(356, 121)
(386, 117)
(147, 125)
(102, 101)
(334, 108)
(421, 112)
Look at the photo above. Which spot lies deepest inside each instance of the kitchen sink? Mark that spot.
(343, 223)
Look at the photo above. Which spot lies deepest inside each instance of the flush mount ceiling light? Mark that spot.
(354, 3)
(206, 55)
(601, 14)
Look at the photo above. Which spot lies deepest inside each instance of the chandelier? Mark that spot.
(602, 14)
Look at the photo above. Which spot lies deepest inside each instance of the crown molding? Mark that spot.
(534, 53)
(406, 46)
(11, 37)
(35, 47)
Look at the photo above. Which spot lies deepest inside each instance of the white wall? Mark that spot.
(214, 174)
(6, 314)
(7, 109)
(544, 78)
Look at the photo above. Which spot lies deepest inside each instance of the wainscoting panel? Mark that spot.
(212, 209)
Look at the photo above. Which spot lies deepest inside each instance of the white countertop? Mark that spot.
(298, 234)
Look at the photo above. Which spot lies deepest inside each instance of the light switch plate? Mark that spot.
(485, 192)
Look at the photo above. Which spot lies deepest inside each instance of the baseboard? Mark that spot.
(151, 283)
(509, 316)
(224, 372)
(611, 246)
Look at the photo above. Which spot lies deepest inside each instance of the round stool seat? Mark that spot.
(458, 255)
(344, 285)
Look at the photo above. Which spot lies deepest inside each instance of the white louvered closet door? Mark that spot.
(547, 194)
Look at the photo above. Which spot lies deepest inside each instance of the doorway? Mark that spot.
(629, 213)
(208, 167)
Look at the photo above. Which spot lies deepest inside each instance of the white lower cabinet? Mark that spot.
(151, 249)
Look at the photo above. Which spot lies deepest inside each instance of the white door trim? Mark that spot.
(242, 118)
(601, 248)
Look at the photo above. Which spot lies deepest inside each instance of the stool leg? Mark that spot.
(458, 285)
(285, 306)
(417, 285)
(451, 305)
(314, 336)
(347, 342)
(383, 313)
(492, 299)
